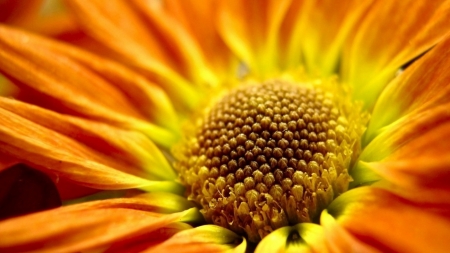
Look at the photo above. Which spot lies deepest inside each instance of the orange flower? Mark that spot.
(266, 126)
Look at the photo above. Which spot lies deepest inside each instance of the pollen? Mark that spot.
(268, 155)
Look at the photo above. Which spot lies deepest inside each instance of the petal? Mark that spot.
(184, 48)
(208, 238)
(146, 97)
(119, 28)
(55, 153)
(132, 147)
(7, 88)
(389, 36)
(71, 76)
(422, 86)
(56, 76)
(303, 237)
(140, 243)
(19, 12)
(67, 189)
(158, 202)
(68, 230)
(250, 29)
(216, 53)
(340, 240)
(438, 199)
(317, 31)
(52, 12)
(165, 202)
(413, 152)
(390, 223)
(7, 161)
(116, 25)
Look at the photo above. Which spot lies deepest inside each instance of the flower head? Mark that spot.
(316, 126)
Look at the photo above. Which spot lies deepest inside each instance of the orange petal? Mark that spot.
(436, 198)
(420, 87)
(131, 147)
(140, 243)
(77, 230)
(74, 86)
(250, 29)
(66, 188)
(317, 31)
(390, 35)
(413, 152)
(339, 240)
(19, 12)
(390, 223)
(69, 190)
(158, 202)
(7, 161)
(42, 65)
(145, 96)
(184, 48)
(53, 21)
(216, 53)
(209, 238)
(118, 26)
(51, 151)
(7, 88)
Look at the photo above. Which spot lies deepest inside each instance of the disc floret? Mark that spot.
(269, 155)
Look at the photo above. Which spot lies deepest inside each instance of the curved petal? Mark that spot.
(340, 240)
(53, 20)
(208, 238)
(19, 12)
(68, 230)
(184, 48)
(7, 161)
(66, 188)
(381, 45)
(317, 30)
(157, 202)
(20, 58)
(155, 39)
(138, 244)
(75, 88)
(216, 53)
(422, 86)
(413, 152)
(51, 151)
(7, 88)
(69, 190)
(119, 27)
(433, 198)
(131, 147)
(400, 225)
(145, 96)
(303, 237)
(251, 29)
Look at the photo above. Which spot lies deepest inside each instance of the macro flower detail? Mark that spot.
(225, 126)
(269, 155)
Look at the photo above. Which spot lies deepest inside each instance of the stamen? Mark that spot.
(269, 155)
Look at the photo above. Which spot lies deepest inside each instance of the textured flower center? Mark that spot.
(268, 155)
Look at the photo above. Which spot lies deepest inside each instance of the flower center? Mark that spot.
(269, 155)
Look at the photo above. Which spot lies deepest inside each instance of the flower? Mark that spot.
(98, 101)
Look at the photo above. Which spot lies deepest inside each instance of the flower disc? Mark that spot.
(269, 155)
